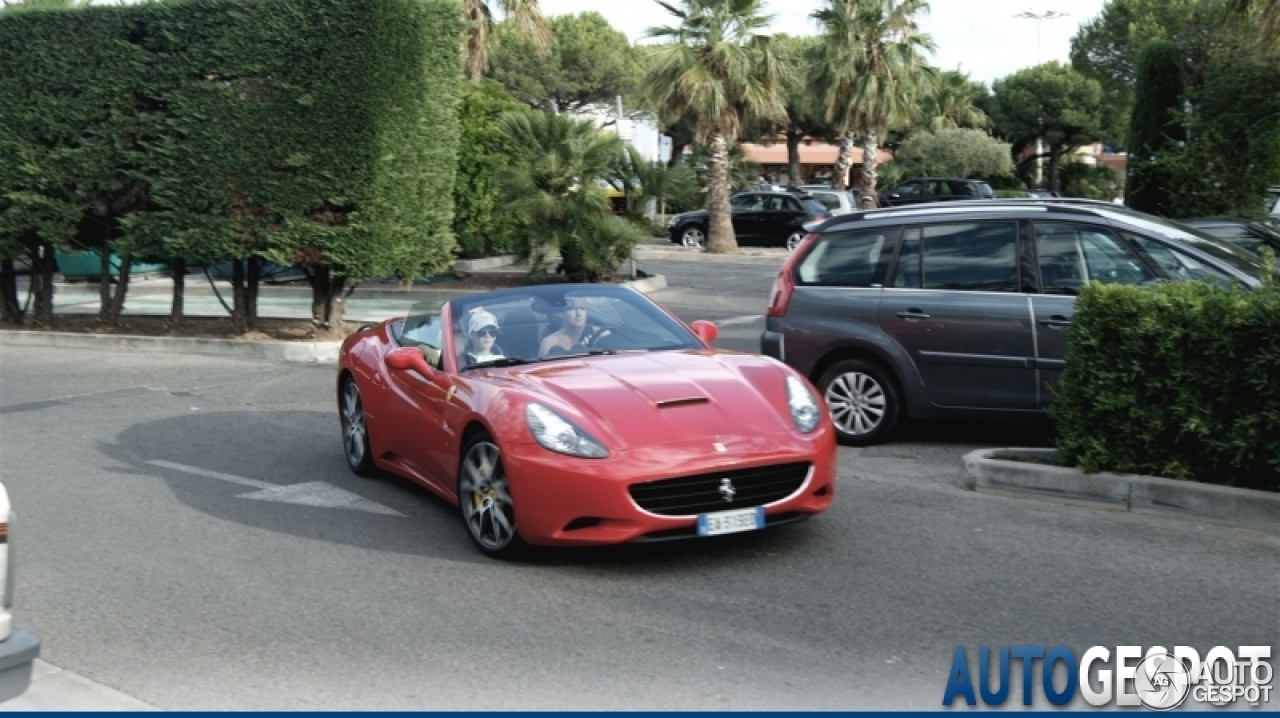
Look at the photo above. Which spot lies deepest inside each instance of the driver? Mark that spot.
(482, 333)
(574, 330)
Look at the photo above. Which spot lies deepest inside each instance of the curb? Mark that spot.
(749, 256)
(1131, 492)
(303, 352)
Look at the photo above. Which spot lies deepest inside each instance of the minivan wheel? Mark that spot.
(863, 400)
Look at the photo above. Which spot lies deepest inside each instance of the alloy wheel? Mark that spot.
(355, 436)
(485, 499)
(857, 403)
(693, 237)
(794, 241)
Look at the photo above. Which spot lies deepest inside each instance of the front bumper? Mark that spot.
(562, 500)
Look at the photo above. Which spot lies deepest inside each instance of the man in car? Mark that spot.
(574, 330)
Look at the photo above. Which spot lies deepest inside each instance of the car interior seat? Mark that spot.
(519, 332)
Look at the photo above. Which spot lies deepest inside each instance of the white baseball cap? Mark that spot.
(481, 318)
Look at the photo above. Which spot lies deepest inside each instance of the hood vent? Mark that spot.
(689, 401)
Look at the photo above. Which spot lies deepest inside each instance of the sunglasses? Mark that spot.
(488, 332)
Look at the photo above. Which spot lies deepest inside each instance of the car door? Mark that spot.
(955, 305)
(748, 212)
(1069, 255)
(416, 411)
(782, 216)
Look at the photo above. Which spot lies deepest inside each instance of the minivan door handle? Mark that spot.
(1056, 321)
(913, 314)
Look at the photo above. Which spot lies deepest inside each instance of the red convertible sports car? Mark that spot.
(572, 414)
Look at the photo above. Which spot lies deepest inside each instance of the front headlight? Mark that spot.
(554, 432)
(804, 407)
(672, 222)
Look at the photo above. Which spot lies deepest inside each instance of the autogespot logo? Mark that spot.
(1160, 679)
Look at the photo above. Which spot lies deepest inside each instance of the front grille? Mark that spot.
(701, 494)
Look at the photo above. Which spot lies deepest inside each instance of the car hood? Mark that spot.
(665, 397)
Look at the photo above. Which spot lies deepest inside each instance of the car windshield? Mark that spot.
(550, 322)
(1240, 259)
(827, 200)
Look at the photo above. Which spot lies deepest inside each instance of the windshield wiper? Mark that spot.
(591, 353)
(505, 361)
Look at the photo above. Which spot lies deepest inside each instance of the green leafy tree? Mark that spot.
(478, 39)
(1232, 153)
(1156, 126)
(554, 184)
(721, 74)
(587, 62)
(481, 226)
(1052, 102)
(805, 117)
(871, 71)
(954, 153)
(1107, 48)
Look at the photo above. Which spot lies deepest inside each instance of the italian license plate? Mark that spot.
(730, 522)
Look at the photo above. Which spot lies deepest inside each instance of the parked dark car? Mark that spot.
(759, 218)
(959, 311)
(1244, 233)
(936, 189)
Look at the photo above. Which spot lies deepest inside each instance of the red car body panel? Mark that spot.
(661, 415)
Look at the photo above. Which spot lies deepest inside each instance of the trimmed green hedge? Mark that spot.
(1179, 380)
(318, 132)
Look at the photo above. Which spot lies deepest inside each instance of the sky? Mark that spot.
(981, 37)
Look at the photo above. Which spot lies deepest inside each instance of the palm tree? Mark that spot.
(871, 71)
(478, 38)
(950, 105)
(719, 73)
(554, 185)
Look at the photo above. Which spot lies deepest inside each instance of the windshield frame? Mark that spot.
(544, 299)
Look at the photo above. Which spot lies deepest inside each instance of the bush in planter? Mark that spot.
(1175, 380)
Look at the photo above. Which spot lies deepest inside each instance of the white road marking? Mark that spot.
(738, 320)
(311, 493)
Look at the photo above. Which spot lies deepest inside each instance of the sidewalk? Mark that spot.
(55, 689)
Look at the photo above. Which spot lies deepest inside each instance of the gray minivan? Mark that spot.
(959, 310)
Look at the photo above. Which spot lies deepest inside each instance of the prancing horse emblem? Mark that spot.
(727, 491)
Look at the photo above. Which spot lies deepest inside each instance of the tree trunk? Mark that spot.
(840, 176)
(677, 154)
(104, 285)
(870, 147)
(252, 282)
(720, 237)
(10, 309)
(326, 298)
(1055, 154)
(793, 158)
(122, 288)
(42, 263)
(178, 268)
(239, 302)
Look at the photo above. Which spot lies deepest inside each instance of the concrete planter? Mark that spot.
(1130, 492)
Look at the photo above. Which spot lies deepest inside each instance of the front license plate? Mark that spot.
(730, 522)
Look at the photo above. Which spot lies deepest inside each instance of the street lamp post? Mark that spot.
(1040, 17)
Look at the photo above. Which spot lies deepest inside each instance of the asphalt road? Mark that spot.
(185, 585)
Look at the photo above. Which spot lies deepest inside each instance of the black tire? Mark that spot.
(863, 400)
(355, 430)
(484, 500)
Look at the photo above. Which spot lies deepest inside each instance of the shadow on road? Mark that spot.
(1031, 432)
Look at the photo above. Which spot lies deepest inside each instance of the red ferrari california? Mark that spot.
(572, 414)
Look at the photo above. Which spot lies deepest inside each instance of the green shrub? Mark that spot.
(1175, 380)
(481, 227)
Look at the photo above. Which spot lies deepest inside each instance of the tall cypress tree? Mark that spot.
(1156, 125)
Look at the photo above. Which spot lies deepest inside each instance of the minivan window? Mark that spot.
(829, 201)
(1070, 255)
(1178, 265)
(846, 259)
(970, 257)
